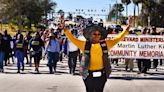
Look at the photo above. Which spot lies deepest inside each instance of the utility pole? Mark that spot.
(149, 10)
(107, 15)
(134, 16)
(116, 10)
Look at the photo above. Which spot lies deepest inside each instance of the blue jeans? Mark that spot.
(53, 58)
(20, 59)
(2, 55)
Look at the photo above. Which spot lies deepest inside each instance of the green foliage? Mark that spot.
(25, 12)
(70, 16)
(126, 2)
(116, 11)
(155, 10)
(60, 11)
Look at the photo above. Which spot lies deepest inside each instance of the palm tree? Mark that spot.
(70, 16)
(126, 2)
(48, 6)
(116, 11)
(149, 9)
(136, 3)
(60, 12)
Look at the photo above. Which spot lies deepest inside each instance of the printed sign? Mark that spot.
(142, 46)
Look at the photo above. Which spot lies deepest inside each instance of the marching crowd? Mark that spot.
(49, 44)
(52, 44)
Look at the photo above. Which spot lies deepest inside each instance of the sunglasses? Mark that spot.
(96, 34)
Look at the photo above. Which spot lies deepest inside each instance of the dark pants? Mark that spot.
(115, 60)
(155, 63)
(61, 56)
(72, 60)
(53, 58)
(161, 61)
(2, 54)
(6, 57)
(95, 84)
(37, 58)
(143, 65)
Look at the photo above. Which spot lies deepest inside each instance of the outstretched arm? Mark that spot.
(80, 44)
(119, 37)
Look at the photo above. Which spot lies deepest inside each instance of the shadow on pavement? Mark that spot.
(137, 78)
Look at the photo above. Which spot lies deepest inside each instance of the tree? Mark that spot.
(32, 10)
(149, 10)
(126, 2)
(70, 17)
(12, 9)
(33, 13)
(60, 12)
(136, 3)
(115, 12)
(47, 6)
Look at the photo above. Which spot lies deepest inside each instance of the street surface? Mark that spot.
(119, 81)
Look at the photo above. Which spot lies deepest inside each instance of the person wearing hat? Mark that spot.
(36, 44)
(52, 49)
(95, 66)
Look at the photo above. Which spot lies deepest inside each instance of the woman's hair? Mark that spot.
(20, 36)
(37, 33)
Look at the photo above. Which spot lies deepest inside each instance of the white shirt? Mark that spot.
(81, 37)
(72, 47)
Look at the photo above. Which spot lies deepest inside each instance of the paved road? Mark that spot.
(119, 81)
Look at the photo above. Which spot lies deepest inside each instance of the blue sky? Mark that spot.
(98, 5)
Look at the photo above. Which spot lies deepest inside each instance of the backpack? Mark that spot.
(85, 61)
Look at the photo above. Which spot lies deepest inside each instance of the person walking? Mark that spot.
(155, 61)
(19, 48)
(2, 52)
(7, 38)
(53, 49)
(72, 52)
(36, 45)
(27, 38)
(95, 66)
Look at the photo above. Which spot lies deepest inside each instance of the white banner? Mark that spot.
(142, 46)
